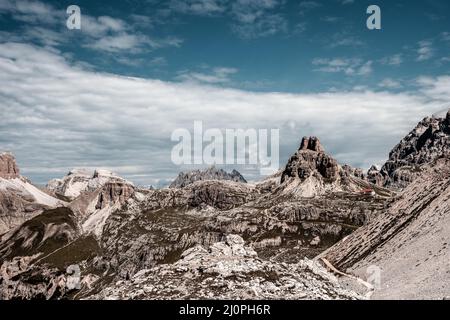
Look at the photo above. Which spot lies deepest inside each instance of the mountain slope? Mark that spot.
(409, 242)
(19, 199)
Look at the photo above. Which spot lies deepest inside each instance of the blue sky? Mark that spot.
(285, 45)
(317, 56)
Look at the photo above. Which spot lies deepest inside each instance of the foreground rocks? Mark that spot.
(229, 270)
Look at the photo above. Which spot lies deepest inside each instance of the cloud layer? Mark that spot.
(56, 115)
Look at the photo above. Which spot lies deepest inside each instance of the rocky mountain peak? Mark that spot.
(78, 181)
(428, 141)
(212, 173)
(312, 144)
(311, 160)
(114, 192)
(8, 166)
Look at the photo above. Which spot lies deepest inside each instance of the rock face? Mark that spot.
(8, 166)
(226, 270)
(429, 140)
(19, 199)
(311, 160)
(186, 178)
(355, 172)
(374, 176)
(408, 242)
(78, 181)
(114, 192)
(310, 172)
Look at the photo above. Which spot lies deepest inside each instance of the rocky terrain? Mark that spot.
(19, 199)
(429, 140)
(226, 270)
(213, 235)
(409, 241)
(80, 181)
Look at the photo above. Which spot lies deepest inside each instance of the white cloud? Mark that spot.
(32, 11)
(345, 41)
(57, 115)
(199, 7)
(389, 83)
(349, 67)
(217, 75)
(103, 33)
(425, 51)
(255, 18)
(100, 26)
(438, 88)
(394, 60)
(115, 35)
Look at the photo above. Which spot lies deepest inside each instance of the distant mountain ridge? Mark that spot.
(212, 173)
(428, 141)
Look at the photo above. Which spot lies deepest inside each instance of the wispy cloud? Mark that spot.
(218, 75)
(330, 19)
(255, 19)
(199, 7)
(46, 26)
(31, 11)
(344, 39)
(389, 83)
(425, 50)
(394, 60)
(306, 6)
(350, 67)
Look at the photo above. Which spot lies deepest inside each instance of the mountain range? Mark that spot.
(310, 231)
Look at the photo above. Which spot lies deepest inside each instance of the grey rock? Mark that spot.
(428, 141)
(186, 178)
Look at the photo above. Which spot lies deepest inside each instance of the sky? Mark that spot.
(110, 94)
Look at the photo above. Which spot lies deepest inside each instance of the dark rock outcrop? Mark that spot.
(311, 160)
(114, 192)
(8, 166)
